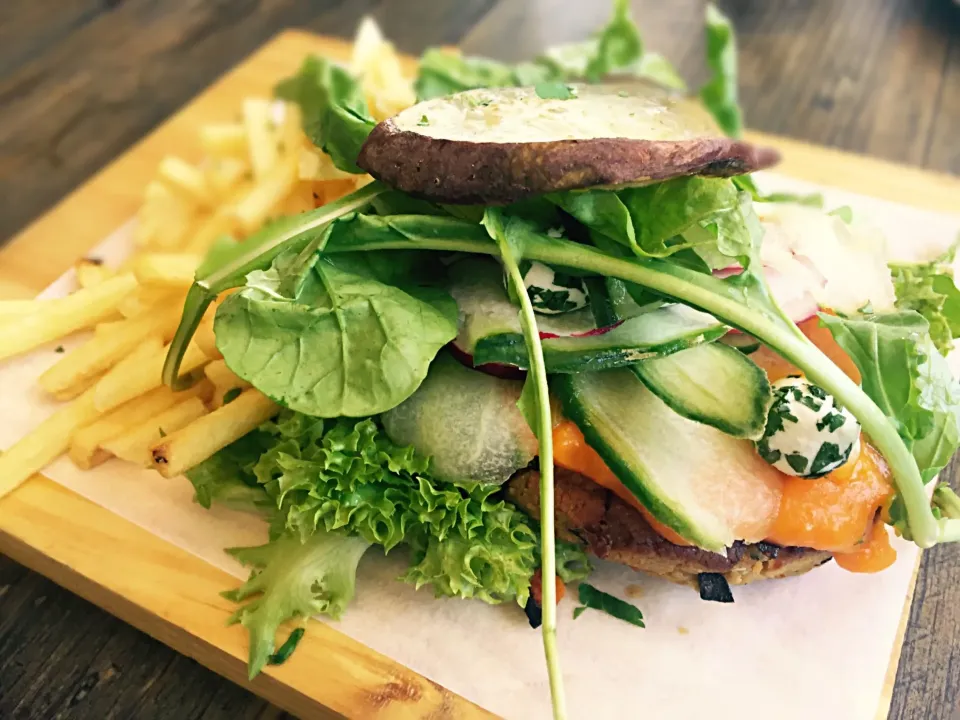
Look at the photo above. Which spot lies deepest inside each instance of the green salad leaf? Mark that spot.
(929, 289)
(339, 486)
(333, 343)
(294, 578)
(616, 50)
(227, 478)
(592, 598)
(662, 219)
(720, 94)
(908, 380)
(335, 113)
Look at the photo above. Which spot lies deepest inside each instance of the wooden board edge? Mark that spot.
(890, 680)
(177, 602)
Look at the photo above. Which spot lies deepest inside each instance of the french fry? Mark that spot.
(134, 444)
(225, 174)
(91, 272)
(140, 373)
(313, 164)
(224, 381)
(148, 299)
(85, 447)
(228, 139)
(298, 201)
(193, 444)
(107, 327)
(44, 443)
(101, 353)
(54, 320)
(254, 209)
(206, 339)
(16, 309)
(166, 270)
(72, 391)
(165, 219)
(260, 126)
(185, 179)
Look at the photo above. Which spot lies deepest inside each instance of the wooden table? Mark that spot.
(80, 80)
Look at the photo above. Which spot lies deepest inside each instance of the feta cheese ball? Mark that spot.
(808, 433)
(552, 292)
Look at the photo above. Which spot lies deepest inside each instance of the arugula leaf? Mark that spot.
(335, 343)
(335, 113)
(929, 289)
(591, 597)
(227, 265)
(719, 95)
(294, 578)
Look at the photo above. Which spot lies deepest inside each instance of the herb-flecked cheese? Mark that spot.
(808, 434)
(552, 292)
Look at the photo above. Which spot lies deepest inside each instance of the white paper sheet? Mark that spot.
(832, 629)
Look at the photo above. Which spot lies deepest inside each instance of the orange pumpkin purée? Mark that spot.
(833, 512)
(777, 367)
(570, 451)
(873, 555)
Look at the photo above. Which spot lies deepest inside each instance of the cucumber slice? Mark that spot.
(713, 384)
(709, 487)
(467, 422)
(653, 334)
(490, 328)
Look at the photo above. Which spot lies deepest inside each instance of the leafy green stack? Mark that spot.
(341, 313)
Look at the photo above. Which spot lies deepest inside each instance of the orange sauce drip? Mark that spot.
(570, 451)
(873, 555)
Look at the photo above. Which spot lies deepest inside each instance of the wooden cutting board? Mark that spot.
(172, 595)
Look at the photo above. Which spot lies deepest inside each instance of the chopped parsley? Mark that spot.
(591, 597)
(555, 91)
(423, 121)
(230, 395)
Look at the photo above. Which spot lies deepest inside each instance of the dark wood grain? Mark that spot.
(80, 80)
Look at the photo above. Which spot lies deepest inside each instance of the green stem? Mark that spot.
(544, 432)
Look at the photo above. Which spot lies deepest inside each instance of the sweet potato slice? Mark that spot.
(499, 146)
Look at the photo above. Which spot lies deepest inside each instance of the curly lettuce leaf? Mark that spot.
(227, 477)
(293, 578)
(720, 94)
(348, 475)
(330, 342)
(335, 113)
(929, 289)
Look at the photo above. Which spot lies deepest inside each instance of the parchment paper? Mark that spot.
(814, 646)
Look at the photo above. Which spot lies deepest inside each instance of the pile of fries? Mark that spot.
(262, 166)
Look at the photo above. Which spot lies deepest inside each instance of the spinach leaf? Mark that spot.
(929, 289)
(657, 220)
(335, 112)
(591, 597)
(720, 94)
(343, 344)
